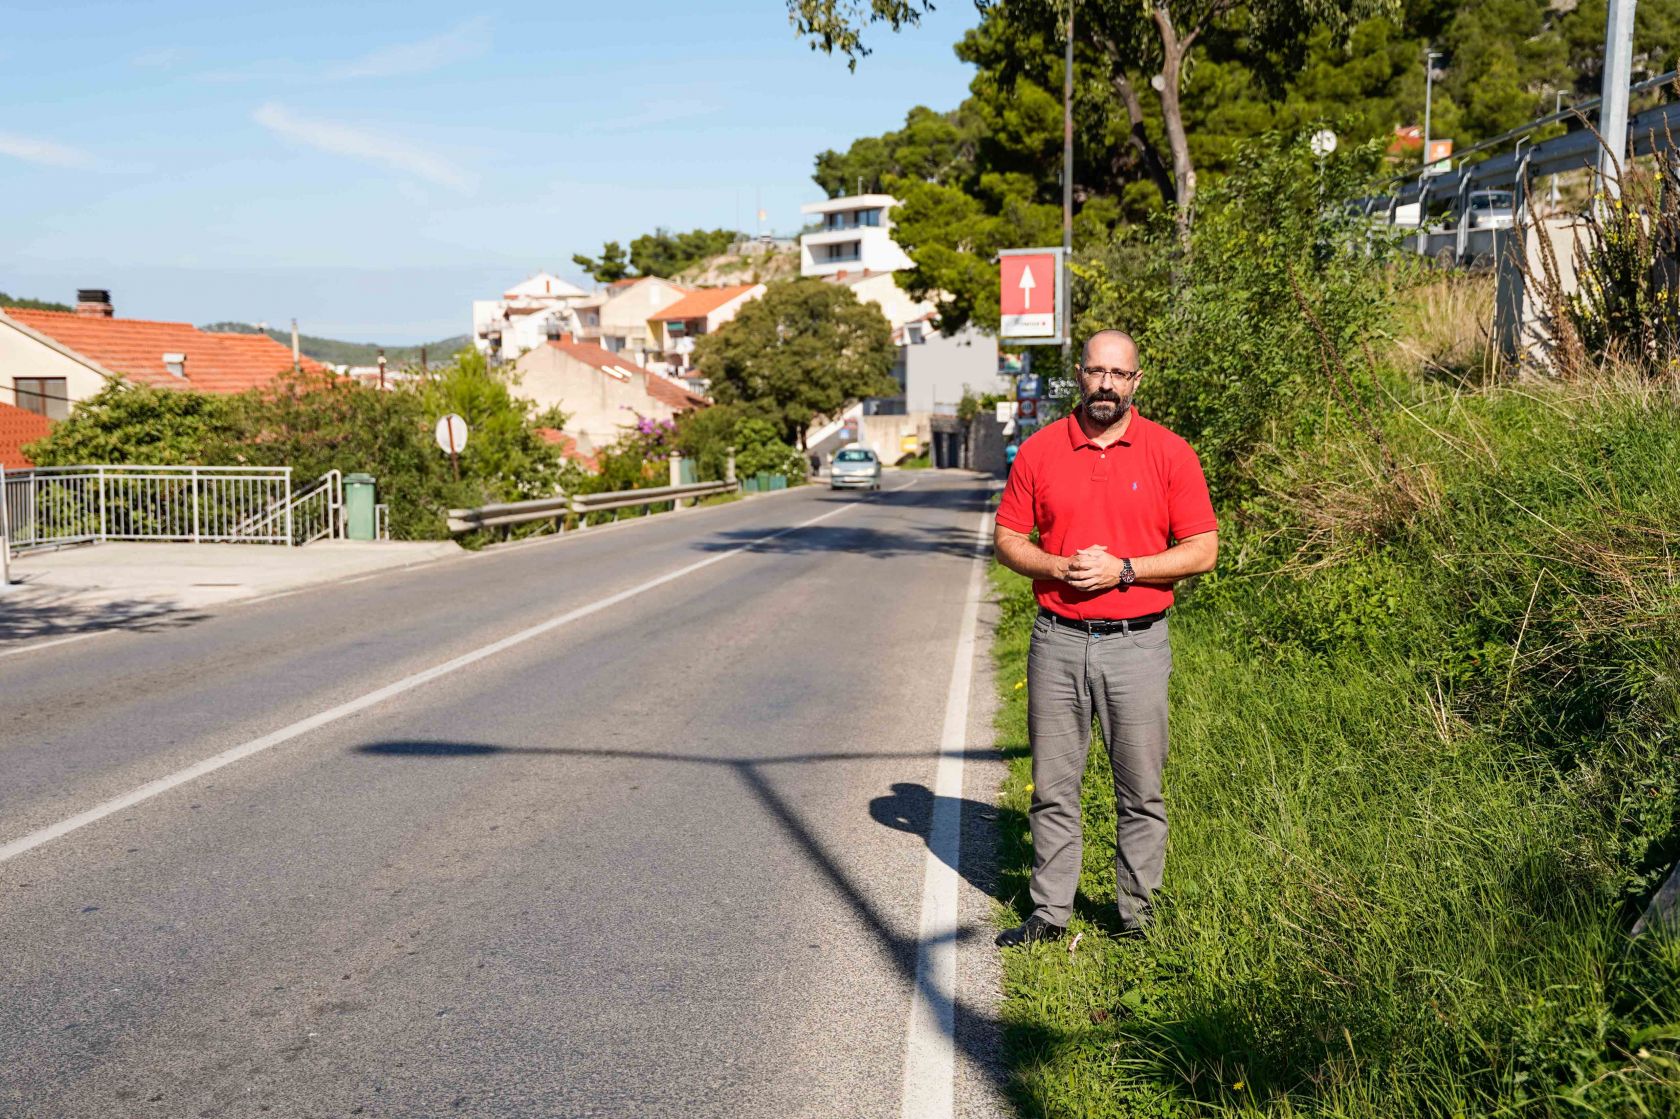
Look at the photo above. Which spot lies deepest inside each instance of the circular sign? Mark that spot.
(1323, 142)
(1028, 409)
(452, 433)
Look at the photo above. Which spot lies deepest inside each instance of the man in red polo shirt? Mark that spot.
(1122, 513)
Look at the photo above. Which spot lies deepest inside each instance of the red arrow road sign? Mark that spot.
(1030, 288)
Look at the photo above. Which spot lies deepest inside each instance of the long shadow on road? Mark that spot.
(977, 1033)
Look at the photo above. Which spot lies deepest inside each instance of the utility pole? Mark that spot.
(1613, 108)
(382, 367)
(1428, 107)
(1067, 197)
(296, 362)
(423, 370)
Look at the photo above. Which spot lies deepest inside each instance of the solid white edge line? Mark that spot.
(930, 1065)
(34, 645)
(314, 722)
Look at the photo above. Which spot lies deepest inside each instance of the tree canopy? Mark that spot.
(660, 253)
(987, 174)
(806, 349)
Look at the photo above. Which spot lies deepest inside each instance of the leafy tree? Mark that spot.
(805, 349)
(504, 454)
(663, 253)
(613, 264)
(136, 424)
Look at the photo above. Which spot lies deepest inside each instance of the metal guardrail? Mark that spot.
(580, 505)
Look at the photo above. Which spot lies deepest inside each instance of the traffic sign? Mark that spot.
(452, 434)
(1027, 409)
(1031, 295)
(1029, 387)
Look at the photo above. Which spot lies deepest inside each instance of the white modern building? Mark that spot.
(856, 235)
(527, 316)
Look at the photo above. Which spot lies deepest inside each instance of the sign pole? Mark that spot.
(454, 464)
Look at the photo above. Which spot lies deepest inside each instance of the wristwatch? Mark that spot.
(1127, 575)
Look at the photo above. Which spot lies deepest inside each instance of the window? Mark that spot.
(913, 333)
(869, 217)
(45, 396)
(846, 250)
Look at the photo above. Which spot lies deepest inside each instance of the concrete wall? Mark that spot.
(938, 369)
(600, 407)
(24, 356)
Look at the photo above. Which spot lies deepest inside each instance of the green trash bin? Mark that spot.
(359, 516)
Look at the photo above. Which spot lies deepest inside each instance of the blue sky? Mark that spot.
(370, 168)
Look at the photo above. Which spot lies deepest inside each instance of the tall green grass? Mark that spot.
(1424, 775)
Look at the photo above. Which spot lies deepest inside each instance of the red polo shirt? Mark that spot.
(1136, 497)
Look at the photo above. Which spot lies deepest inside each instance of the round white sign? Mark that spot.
(452, 433)
(1323, 142)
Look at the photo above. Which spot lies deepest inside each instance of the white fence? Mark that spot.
(50, 506)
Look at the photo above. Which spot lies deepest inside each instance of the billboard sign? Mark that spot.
(1031, 296)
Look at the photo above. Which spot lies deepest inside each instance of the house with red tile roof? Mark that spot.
(602, 393)
(51, 359)
(19, 428)
(698, 313)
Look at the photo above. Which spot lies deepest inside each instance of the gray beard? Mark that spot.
(1110, 410)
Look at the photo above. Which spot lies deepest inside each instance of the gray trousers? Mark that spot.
(1122, 679)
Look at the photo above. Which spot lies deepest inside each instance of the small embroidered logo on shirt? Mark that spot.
(1134, 485)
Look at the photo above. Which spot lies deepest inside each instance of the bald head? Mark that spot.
(1110, 349)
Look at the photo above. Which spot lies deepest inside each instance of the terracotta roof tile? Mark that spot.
(700, 303)
(673, 395)
(568, 447)
(667, 392)
(18, 427)
(221, 363)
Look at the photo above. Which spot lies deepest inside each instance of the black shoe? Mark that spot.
(1034, 930)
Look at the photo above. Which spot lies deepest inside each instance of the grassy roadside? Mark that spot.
(1424, 771)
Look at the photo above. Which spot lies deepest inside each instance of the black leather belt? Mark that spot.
(1105, 625)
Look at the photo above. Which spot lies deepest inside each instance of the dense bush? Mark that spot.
(1426, 718)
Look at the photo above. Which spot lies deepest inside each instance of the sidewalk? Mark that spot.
(104, 586)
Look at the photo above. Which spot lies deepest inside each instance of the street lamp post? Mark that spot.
(1067, 196)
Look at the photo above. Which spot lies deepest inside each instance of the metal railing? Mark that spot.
(582, 506)
(57, 505)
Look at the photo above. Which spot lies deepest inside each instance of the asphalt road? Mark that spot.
(664, 858)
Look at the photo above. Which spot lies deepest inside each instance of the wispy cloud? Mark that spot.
(363, 144)
(652, 113)
(159, 58)
(468, 40)
(45, 153)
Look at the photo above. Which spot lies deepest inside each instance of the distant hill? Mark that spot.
(33, 304)
(334, 352)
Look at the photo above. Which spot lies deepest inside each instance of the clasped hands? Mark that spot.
(1090, 569)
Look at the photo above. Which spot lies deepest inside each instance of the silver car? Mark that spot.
(855, 468)
(1490, 209)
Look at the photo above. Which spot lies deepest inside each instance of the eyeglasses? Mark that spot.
(1096, 375)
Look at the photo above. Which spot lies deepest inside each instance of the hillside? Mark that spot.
(746, 268)
(335, 352)
(33, 304)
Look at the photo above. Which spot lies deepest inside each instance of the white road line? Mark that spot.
(33, 646)
(408, 683)
(930, 1064)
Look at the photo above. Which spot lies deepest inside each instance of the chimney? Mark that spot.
(94, 303)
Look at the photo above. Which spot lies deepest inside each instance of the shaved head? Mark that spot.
(1110, 348)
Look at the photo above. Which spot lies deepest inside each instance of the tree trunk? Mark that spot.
(1147, 152)
(1173, 52)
